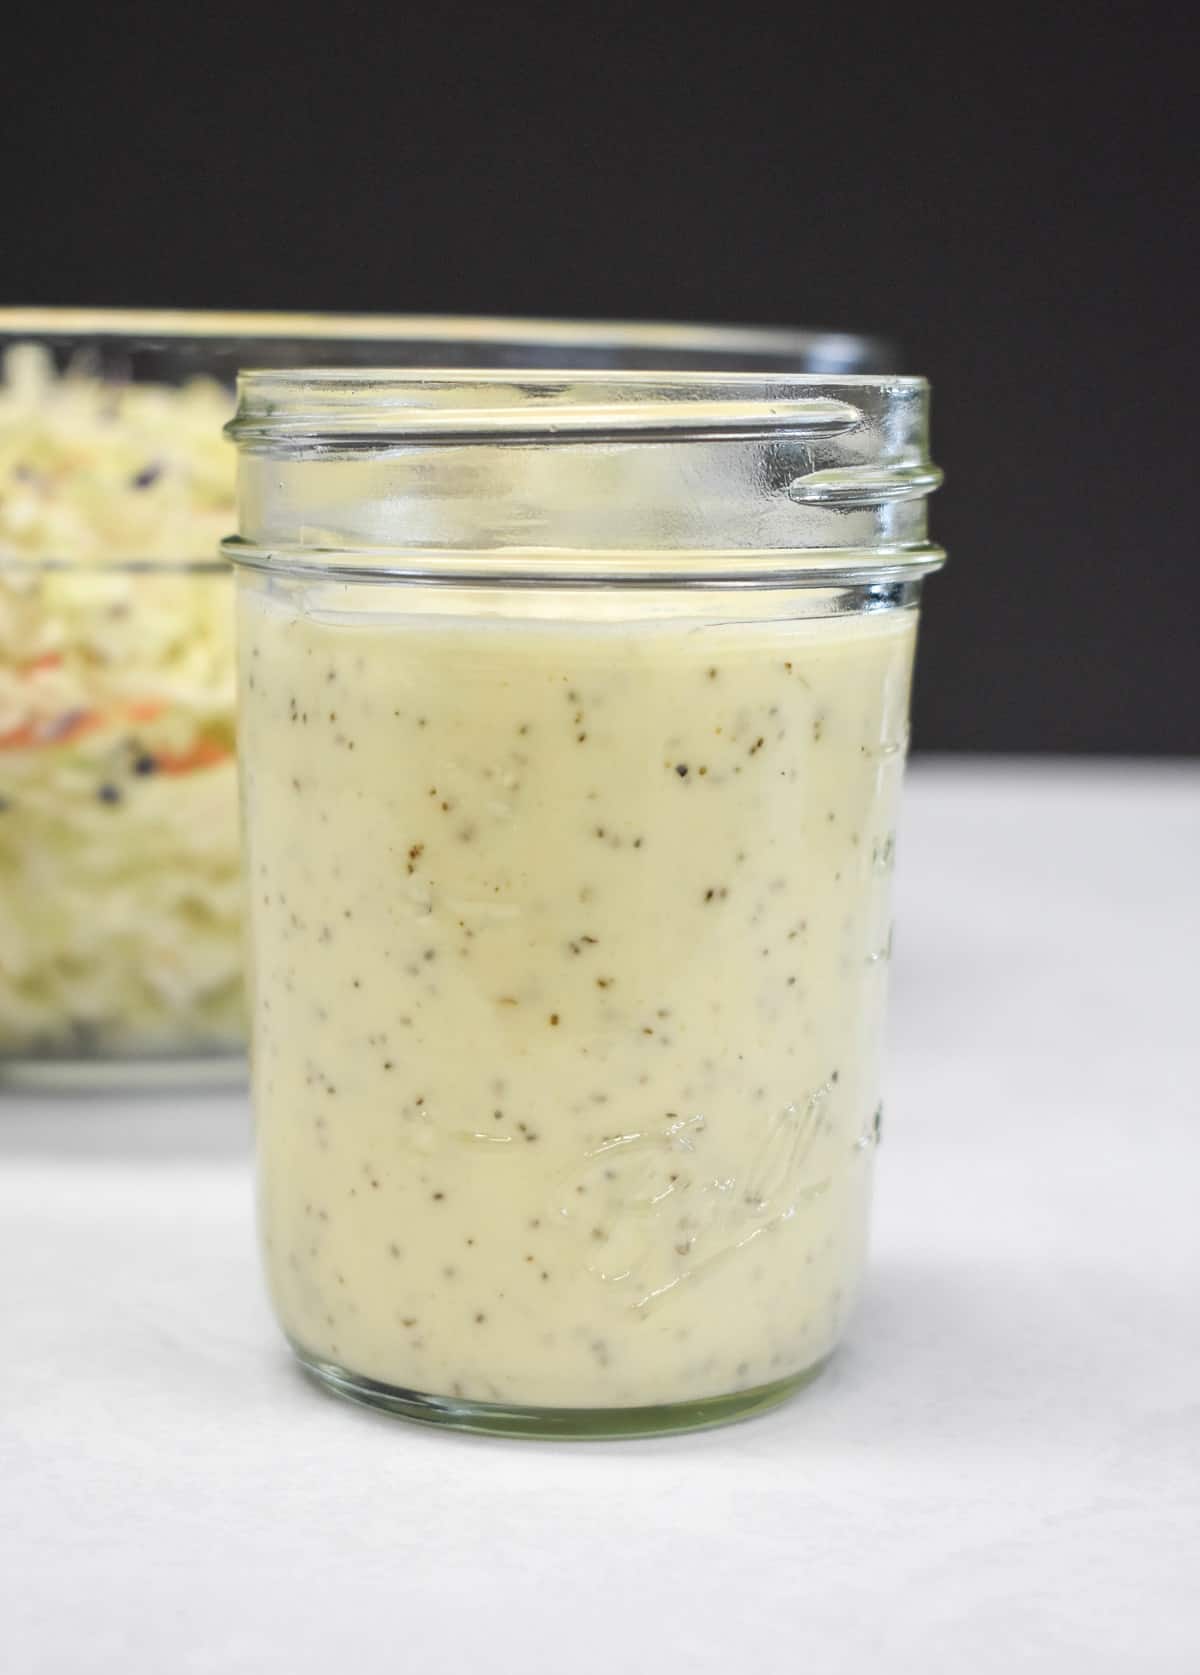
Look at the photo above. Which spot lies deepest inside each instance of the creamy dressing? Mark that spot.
(570, 940)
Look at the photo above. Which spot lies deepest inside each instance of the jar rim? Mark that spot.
(404, 471)
(427, 405)
(553, 376)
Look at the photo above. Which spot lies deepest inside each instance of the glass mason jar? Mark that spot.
(120, 934)
(573, 717)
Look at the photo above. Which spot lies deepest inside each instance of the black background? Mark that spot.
(1014, 205)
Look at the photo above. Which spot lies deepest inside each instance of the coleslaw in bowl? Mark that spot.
(119, 891)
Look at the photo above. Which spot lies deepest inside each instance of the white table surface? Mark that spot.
(998, 1473)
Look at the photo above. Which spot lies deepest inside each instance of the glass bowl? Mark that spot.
(120, 898)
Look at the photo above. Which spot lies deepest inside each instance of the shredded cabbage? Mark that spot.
(119, 891)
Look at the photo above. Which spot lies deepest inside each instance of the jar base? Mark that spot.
(580, 1424)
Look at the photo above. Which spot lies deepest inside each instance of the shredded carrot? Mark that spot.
(36, 734)
(144, 709)
(65, 729)
(203, 754)
(48, 660)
